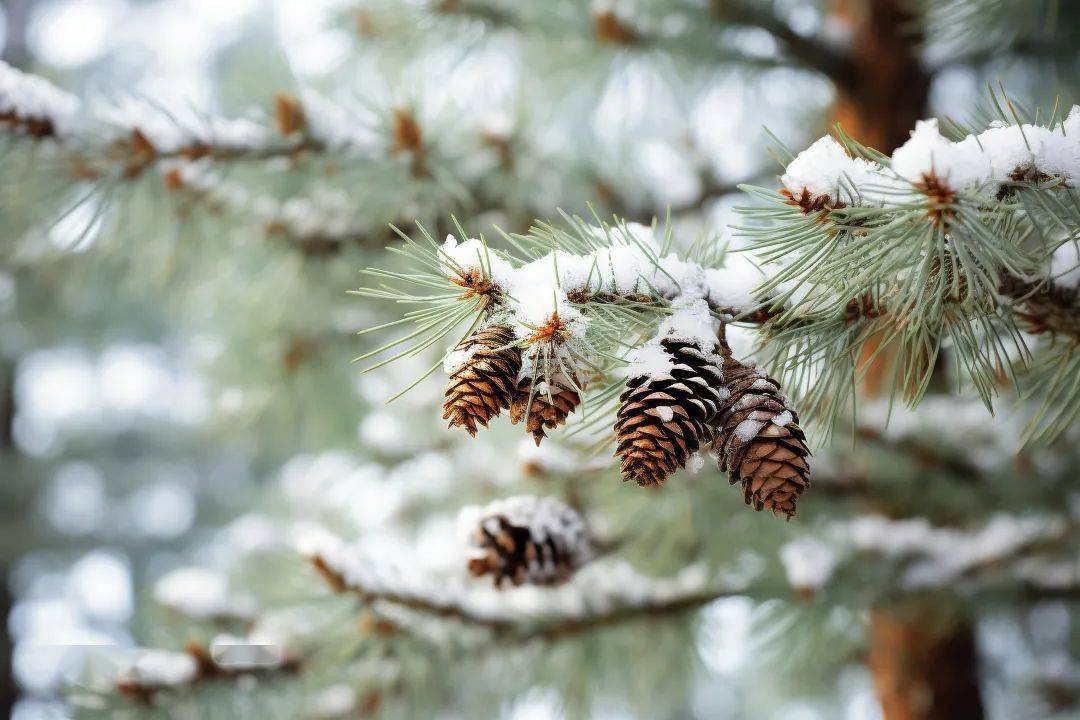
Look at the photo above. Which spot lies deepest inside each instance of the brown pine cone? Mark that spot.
(545, 411)
(663, 420)
(525, 539)
(759, 442)
(483, 383)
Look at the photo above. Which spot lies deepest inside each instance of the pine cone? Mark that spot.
(540, 541)
(546, 411)
(482, 384)
(759, 442)
(662, 420)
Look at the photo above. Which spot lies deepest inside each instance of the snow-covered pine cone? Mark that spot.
(664, 418)
(483, 372)
(525, 539)
(545, 411)
(759, 442)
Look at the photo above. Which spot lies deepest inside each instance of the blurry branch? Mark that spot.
(610, 29)
(484, 11)
(437, 607)
(925, 455)
(144, 690)
(1057, 541)
(808, 51)
(550, 627)
(1028, 48)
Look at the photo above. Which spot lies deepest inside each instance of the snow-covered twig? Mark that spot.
(944, 555)
(602, 594)
(33, 106)
(155, 671)
(202, 594)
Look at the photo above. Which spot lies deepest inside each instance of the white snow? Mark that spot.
(732, 285)
(962, 166)
(945, 553)
(536, 309)
(665, 413)
(249, 652)
(826, 168)
(748, 429)
(808, 562)
(689, 321)
(459, 257)
(456, 358)
(30, 97)
(336, 701)
(1065, 264)
(782, 419)
(200, 593)
(1059, 154)
(160, 668)
(651, 359)
(183, 127)
(978, 163)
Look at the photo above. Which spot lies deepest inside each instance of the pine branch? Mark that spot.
(521, 629)
(810, 52)
(1045, 306)
(945, 241)
(144, 689)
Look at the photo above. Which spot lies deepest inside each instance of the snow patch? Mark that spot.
(808, 562)
(29, 97)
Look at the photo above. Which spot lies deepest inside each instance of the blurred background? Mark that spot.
(176, 390)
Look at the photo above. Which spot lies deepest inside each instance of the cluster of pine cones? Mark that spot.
(705, 399)
(487, 383)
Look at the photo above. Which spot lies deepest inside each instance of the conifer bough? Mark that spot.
(611, 303)
(962, 243)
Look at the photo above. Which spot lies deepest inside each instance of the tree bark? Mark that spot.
(879, 103)
(924, 664)
(887, 91)
(923, 661)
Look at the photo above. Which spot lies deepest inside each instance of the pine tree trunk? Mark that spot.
(879, 104)
(924, 664)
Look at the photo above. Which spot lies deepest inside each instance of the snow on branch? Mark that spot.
(203, 594)
(156, 671)
(826, 174)
(600, 594)
(967, 242)
(606, 307)
(940, 556)
(33, 106)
